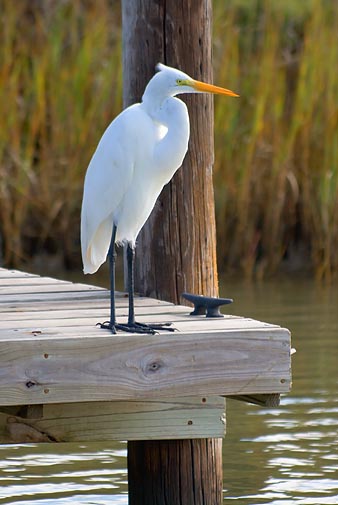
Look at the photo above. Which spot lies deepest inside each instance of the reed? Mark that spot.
(276, 168)
(60, 85)
(276, 150)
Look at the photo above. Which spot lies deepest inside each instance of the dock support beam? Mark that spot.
(179, 472)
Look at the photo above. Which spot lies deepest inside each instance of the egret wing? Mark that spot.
(108, 177)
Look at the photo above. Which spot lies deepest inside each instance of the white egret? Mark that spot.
(137, 155)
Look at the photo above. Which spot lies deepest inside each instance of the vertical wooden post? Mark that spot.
(177, 472)
(176, 250)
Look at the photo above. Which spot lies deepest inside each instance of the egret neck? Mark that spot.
(170, 115)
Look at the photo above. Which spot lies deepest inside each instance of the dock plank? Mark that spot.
(189, 417)
(30, 281)
(86, 312)
(119, 367)
(57, 287)
(181, 321)
(87, 298)
(6, 274)
(23, 298)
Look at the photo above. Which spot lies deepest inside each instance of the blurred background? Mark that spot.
(276, 148)
(276, 190)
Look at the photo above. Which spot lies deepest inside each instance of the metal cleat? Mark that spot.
(206, 304)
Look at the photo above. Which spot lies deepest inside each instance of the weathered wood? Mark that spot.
(177, 472)
(6, 274)
(48, 288)
(53, 296)
(48, 302)
(66, 316)
(176, 250)
(39, 339)
(180, 319)
(184, 418)
(119, 367)
(30, 281)
(52, 355)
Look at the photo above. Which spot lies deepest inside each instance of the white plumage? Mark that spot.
(137, 155)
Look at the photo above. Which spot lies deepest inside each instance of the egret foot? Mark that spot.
(136, 327)
(144, 328)
(108, 326)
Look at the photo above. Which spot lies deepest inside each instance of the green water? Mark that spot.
(278, 456)
(290, 454)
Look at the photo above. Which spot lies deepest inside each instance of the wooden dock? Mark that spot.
(62, 378)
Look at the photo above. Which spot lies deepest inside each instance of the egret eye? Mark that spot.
(179, 82)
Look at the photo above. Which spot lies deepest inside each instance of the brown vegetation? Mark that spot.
(276, 160)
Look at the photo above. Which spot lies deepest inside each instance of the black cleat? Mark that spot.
(206, 304)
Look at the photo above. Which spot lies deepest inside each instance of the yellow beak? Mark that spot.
(210, 88)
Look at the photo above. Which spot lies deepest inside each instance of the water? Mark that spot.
(290, 454)
(278, 456)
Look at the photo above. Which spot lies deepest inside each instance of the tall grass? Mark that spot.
(277, 148)
(60, 85)
(276, 170)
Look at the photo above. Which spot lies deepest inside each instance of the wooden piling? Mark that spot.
(177, 246)
(176, 249)
(178, 472)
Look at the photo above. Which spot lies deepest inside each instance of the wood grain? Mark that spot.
(119, 367)
(190, 417)
(175, 472)
(52, 351)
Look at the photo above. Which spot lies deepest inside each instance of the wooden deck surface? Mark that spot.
(51, 350)
(63, 379)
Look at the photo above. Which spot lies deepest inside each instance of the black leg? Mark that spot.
(130, 263)
(132, 326)
(111, 325)
(112, 262)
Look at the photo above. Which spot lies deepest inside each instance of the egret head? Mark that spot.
(176, 82)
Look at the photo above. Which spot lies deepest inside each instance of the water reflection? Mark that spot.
(44, 474)
(289, 455)
(278, 456)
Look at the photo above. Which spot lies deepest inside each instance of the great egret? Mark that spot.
(137, 155)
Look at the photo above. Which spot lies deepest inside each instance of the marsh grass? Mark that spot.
(60, 82)
(276, 150)
(276, 169)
